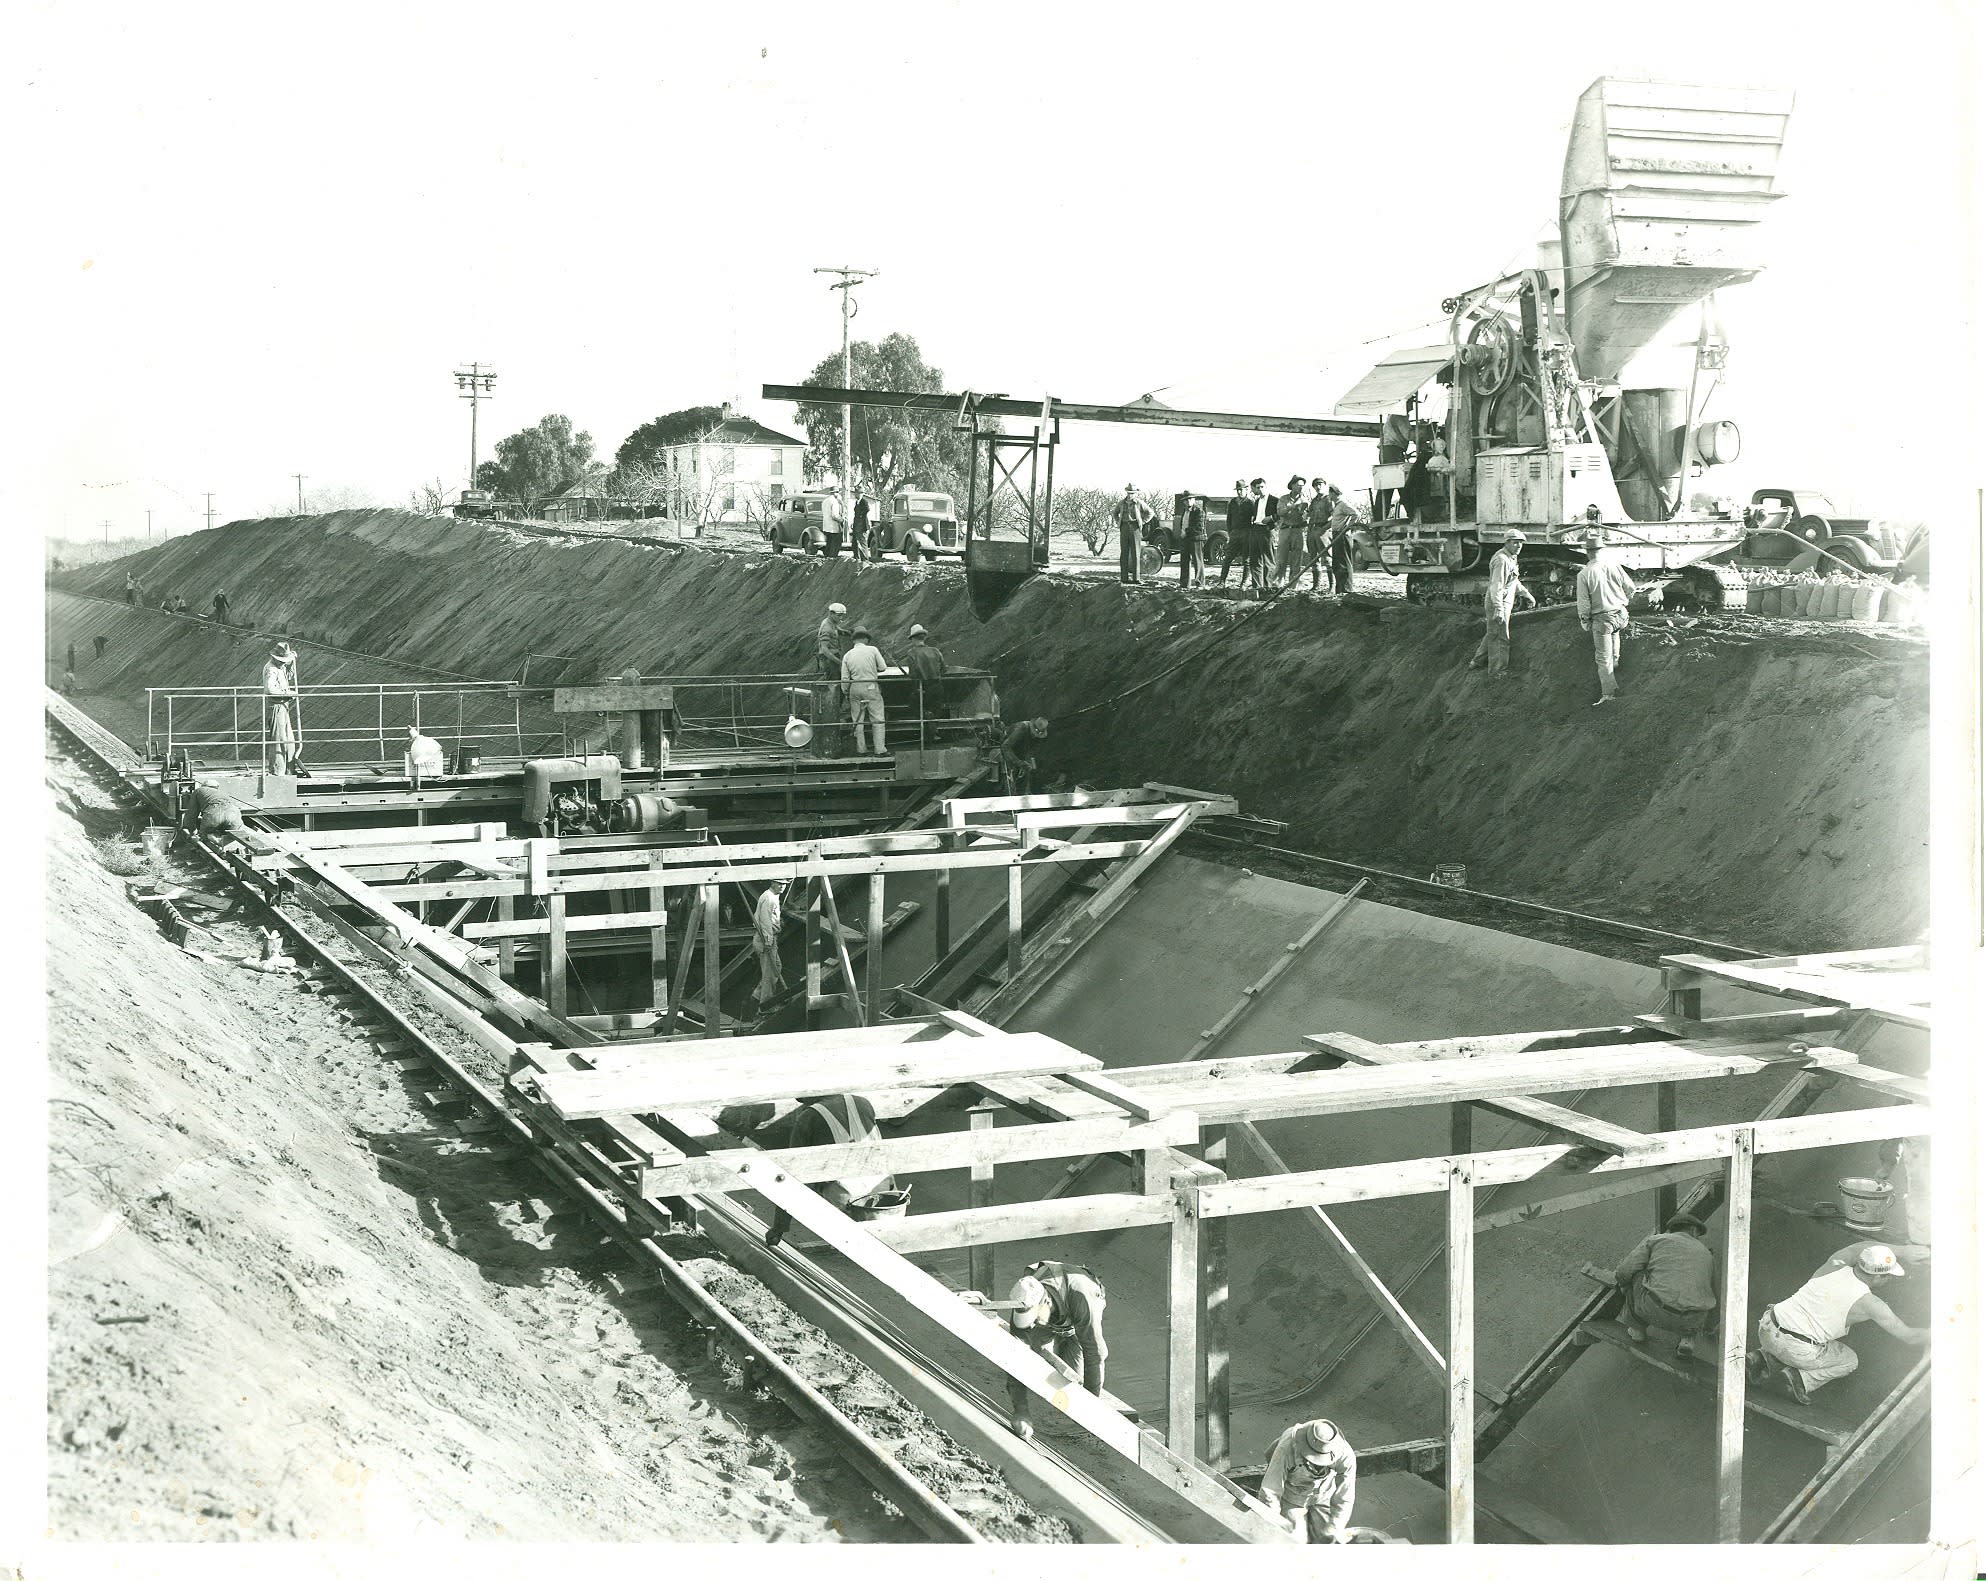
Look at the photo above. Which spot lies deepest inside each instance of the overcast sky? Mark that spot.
(259, 245)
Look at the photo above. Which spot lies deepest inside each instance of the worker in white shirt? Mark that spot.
(1499, 603)
(1803, 1337)
(768, 913)
(862, 671)
(422, 759)
(1604, 590)
(1311, 1480)
(279, 693)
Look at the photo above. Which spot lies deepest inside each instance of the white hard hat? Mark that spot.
(1027, 1294)
(1879, 1260)
(918, 631)
(837, 609)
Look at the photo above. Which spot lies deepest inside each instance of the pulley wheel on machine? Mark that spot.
(1491, 355)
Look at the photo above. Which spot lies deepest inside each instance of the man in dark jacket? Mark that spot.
(1240, 510)
(1057, 1308)
(1192, 542)
(927, 664)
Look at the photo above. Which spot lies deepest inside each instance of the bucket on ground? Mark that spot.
(1865, 1202)
(1455, 875)
(157, 839)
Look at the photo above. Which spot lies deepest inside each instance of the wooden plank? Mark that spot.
(614, 697)
(1134, 1104)
(1217, 1353)
(1812, 1421)
(680, 984)
(1665, 1120)
(872, 990)
(1601, 1135)
(658, 946)
(1340, 1245)
(979, 1149)
(1887, 1429)
(707, 871)
(713, 978)
(1641, 1180)
(824, 1041)
(555, 955)
(1182, 1329)
(1015, 922)
(1809, 1022)
(1416, 1177)
(1460, 1480)
(652, 918)
(1732, 1334)
(692, 1082)
(979, 1194)
(1101, 1212)
(863, 1013)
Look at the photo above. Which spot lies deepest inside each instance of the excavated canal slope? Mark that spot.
(1756, 783)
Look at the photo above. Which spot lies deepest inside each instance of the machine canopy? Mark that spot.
(1396, 378)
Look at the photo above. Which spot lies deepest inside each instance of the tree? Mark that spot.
(1087, 513)
(429, 499)
(889, 449)
(645, 445)
(533, 465)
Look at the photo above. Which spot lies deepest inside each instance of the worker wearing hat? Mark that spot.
(1240, 511)
(1499, 603)
(831, 641)
(1017, 749)
(1311, 1480)
(862, 669)
(1670, 1284)
(1802, 1338)
(1057, 1308)
(927, 665)
(279, 693)
(1133, 516)
(1292, 518)
(1603, 591)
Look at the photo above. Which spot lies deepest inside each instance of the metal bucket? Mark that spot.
(881, 1205)
(157, 840)
(1865, 1202)
(1454, 874)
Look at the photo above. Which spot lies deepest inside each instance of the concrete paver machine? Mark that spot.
(1557, 405)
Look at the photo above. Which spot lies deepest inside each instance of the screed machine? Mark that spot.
(1558, 405)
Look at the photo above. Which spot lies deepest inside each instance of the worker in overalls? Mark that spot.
(1311, 1480)
(279, 694)
(1500, 598)
(1057, 1308)
(825, 1122)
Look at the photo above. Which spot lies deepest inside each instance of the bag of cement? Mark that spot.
(1810, 600)
(1830, 600)
(1868, 603)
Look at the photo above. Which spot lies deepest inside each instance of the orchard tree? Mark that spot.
(539, 462)
(889, 449)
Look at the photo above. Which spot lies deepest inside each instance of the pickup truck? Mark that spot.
(1784, 525)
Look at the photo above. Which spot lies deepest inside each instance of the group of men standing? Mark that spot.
(848, 655)
(1276, 538)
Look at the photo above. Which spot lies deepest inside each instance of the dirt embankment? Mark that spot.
(1757, 784)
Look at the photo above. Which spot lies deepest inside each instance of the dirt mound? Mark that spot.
(1752, 784)
(284, 1301)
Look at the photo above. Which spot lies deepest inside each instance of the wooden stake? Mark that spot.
(1182, 1368)
(713, 1005)
(814, 926)
(1461, 1470)
(1214, 1314)
(658, 948)
(1461, 1129)
(1731, 1339)
(506, 911)
(1014, 876)
(554, 961)
(872, 1000)
(979, 1194)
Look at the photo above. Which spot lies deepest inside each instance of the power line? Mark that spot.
(474, 384)
(846, 284)
(299, 477)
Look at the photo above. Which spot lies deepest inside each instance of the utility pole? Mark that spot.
(210, 512)
(148, 526)
(299, 477)
(846, 284)
(474, 384)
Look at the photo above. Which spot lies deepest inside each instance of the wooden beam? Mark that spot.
(1417, 1177)
(1886, 1429)
(684, 960)
(863, 1013)
(1103, 1212)
(1182, 1349)
(1340, 1245)
(555, 956)
(1665, 1178)
(941, 916)
(658, 947)
(979, 1194)
(1665, 1120)
(709, 872)
(1461, 1398)
(872, 993)
(1015, 923)
(979, 1150)
(1216, 1353)
(1733, 1331)
(1134, 1104)
(713, 978)
(690, 1081)
(1217, 1034)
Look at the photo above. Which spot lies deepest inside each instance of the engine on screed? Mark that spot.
(1554, 416)
(583, 795)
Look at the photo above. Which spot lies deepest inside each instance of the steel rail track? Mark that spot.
(759, 1360)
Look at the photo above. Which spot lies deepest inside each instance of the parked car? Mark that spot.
(802, 521)
(1781, 525)
(932, 516)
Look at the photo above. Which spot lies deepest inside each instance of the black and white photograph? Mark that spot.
(909, 774)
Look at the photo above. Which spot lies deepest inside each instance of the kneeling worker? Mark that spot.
(1311, 1479)
(216, 816)
(824, 1122)
(1058, 1310)
(1804, 1335)
(1669, 1283)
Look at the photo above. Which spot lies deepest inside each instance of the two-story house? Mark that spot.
(736, 471)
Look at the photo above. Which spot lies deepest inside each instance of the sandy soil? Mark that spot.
(286, 1300)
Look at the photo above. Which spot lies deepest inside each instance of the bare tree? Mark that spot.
(1089, 514)
(430, 499)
